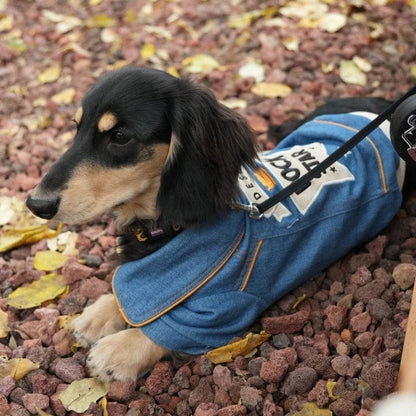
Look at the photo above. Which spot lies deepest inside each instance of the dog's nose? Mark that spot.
(43, 207)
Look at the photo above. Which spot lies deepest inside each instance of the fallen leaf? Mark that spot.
(17, 367)
(332, 22)
(351, 74)
(100, 21)
(48, 260)
(299, 300)
(235, 103)
(147, 51)
(49, 75)
(81, 393)
(291, 43)
(271, 90)
(242, 347)
(15, 237)
(48, 287)
(16, 44)
(304, 9)
(201, 63)
(64, 321)
(10, 208)
(362, 64)
(173, 71)
(330, 388)
(312, 409)
(413, 69)
(4, 324)
(6, 23)
(42, 412)
(252, 69)
(66, 96)
(64, 243)
(103, 404)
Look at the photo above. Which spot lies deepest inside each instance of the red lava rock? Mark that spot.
(361, 277)
(160, 378)
(93, 288)
(319, 393)
(336, 317)
(63, 341)
(222, 377)
(72, 303)
(73, 271)
(289, 354)
(4, 406)
(373, 289)
(116, 409)
(346, 366)
(288, 323)
(274, 371)
(234, 410)
(121, 391)
(343, 407)
(250, 397)
(382, 377)
(206, 409)
(7, 385)
(201, 394)
(404, 275)
(378, 309)
(364, 340)
(360, 322)
(299, 381)
(69, 370)
(43, 384)
(31, 401)
(181, 377)
(257, 123)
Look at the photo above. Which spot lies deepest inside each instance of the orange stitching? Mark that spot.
(250, 269)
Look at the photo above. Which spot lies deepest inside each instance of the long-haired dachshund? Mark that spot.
(177, 167)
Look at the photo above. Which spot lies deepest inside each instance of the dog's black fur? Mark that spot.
(209, 144)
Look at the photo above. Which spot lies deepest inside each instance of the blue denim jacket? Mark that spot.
(209, 284)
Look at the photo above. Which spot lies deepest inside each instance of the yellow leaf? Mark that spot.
(299, 300)
(46, 288)
(242, 347)
(201, 63)
(173, 71)
(17, 45)
(17, 368)
(48, 260)
(271, 89)
(4, 324)
(413, 69)
(95, 2)
(10, 208)
(100, 21)
(50, 74)
(66, 96)
(312, 409)
(332, 22)
(103, 404)
(15, 237)
(65, 320)
(6, 23)
(81, 393)
(362, 64)
(351, 74)
(291, 43)
(147, 51)
(330, 388)
(41, 412)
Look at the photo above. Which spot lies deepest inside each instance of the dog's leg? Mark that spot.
(100, 319)
(124, 356)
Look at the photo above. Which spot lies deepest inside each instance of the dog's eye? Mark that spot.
(119, 137)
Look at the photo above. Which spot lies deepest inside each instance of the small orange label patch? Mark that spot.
(264, 177)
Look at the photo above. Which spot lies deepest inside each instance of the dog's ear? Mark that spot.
(210, 144)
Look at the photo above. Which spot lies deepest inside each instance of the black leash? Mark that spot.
(257, 210)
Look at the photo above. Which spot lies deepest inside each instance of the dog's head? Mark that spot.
(148, 146)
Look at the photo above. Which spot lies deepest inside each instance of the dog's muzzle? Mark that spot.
(43, 207)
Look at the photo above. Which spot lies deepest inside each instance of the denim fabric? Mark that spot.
(209, 284)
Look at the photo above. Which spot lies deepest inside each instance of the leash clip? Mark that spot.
(252, 209)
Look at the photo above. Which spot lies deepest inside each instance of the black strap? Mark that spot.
(304, 181)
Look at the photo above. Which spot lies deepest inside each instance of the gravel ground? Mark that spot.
(341, 347)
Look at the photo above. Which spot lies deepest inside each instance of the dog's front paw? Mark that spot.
(123, 356)
(100, 319)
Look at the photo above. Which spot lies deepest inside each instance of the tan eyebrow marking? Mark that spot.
(78, 116)
(107, 122)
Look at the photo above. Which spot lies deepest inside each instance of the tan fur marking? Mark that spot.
(94, 190)
(107, 122)
(174, 144)
(78, 116)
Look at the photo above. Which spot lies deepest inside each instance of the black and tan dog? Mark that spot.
(164, 156)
